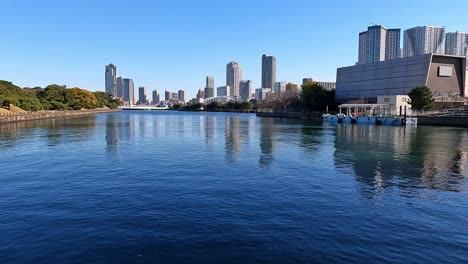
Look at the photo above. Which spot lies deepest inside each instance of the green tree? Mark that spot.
(315, 97)
(246, 106)
(104, 99)
(421, 98)
(77, 99)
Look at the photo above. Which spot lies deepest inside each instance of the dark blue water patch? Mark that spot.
(169, 187)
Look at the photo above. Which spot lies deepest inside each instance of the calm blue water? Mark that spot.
(169, 187)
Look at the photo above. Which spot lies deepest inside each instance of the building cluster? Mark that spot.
(430, 57)
(236, 88)
(119, 87)
(381, 44)
(124, 89)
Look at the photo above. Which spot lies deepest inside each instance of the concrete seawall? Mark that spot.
(30, 116)
(443, 121)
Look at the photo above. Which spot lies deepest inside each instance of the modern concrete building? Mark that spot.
(200, 94)
(378, 44)
(395, 102)
(279, 87)
(142, 95)
(210, 82)
(223, 91)
(456, 43)
(120, 87)
(175, 96)
(111, 79)
(209, 92)
(181, 95)
(392, 44)
(167, 96)
(423, 40)
(129, 91)
(233, 78)
(268, 71)
(156, 98)
(209, 87)
(246, 90)
(445, 75)
(262, 93)
(327, 85)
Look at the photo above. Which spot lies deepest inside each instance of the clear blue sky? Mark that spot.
(174, 44)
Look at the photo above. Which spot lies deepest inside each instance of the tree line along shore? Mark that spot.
(52, 97)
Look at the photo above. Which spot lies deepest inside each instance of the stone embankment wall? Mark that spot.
(459, 121)
(29, 116)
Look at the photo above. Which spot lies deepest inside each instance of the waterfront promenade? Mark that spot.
(38, 115)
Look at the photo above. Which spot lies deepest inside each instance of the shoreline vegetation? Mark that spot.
(54, 101)
(52, 97)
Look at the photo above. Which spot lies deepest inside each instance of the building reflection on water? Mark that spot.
(267, 147)
(119, 131)
(383, 157)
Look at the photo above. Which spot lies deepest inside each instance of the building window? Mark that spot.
(403, 99)
(386, 99)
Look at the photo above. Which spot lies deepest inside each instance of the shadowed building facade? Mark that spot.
(445, 75)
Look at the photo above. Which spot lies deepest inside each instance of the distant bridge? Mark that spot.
(221, 99)
(144, 107)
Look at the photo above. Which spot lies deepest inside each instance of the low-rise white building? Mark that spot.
(395, 101)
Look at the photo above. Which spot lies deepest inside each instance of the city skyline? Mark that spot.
(302, 48)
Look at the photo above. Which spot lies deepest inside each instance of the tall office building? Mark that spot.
(392, 44)
(209, 88)
(175, 96)
(223, 91)
(209, 92)
(156, 99)
(181, 95)
(111, 79)
(375, 46)
(129, 91)
(378, 44)
(245, 90)
(167, 95)
(120, 87)
(233, 77)
(362, 54)
(423, 40)
(200, 94)
(456, 43)
(280, 87)
(210, 82)
(142, 95)
(268, 71)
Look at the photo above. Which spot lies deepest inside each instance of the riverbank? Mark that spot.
(6, 118)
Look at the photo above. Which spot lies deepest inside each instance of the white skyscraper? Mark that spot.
(111, 79)
(268, 71)
(423, 40)
(456, 43)
(233, 77)
(378, 44)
